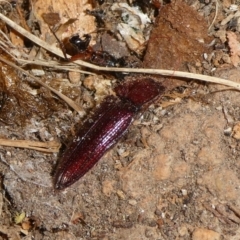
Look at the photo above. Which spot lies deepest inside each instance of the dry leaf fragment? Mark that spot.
(19, 217)
(133, 25)
(66, 10)
(51, 18)
(234, 48)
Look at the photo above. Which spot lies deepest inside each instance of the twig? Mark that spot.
(36, 40)
(179, 74)
(234, 209)
(53, 64)
(49, 147)
(215, 17)
(221, 218)
(227, 214)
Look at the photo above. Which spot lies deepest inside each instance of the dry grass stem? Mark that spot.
(54, 64)
(215, 17)
(49, 147)
(179, 74)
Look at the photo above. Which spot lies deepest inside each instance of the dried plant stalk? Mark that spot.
(185, 75)
(49, 147)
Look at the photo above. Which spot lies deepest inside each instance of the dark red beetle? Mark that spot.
(110, 121)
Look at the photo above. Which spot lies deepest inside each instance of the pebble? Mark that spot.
(205, 234)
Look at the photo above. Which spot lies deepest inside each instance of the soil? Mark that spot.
(173, 175)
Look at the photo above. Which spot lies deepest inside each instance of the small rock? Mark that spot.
(132, 202)
(108, 187)
(183, 231)
(121, 194)
(227, 131)
(162, 169)
(205, 234)
(184, 192)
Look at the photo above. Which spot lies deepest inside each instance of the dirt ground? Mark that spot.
(174, 174)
